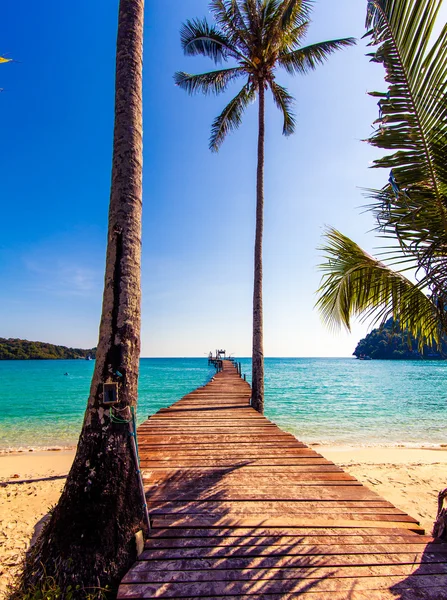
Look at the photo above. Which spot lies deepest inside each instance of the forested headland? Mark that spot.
(390, 342)
(15, 349)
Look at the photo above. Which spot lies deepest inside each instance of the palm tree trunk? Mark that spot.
(258, 334)
(89, 540)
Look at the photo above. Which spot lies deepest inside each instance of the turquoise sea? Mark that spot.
(327, 400)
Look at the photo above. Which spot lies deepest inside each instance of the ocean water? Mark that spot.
(331, 401)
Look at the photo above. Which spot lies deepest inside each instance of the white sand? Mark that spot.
(22, 505)
(410, 478)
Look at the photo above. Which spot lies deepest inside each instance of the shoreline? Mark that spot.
(372, 453)
(33, 449)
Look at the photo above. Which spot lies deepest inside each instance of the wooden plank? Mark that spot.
(144, 573)
(240, 533)
(432, 593)
(271, 506)
(236, 457)
(275, 509)
(135, 591)
(295, 548)
(181, 439)
(236, 444)
(173, 423)
(240, 474)
(286, 561)
(273, 586)
(238, 420)
(147, 462)
(328, 495)
(243, 491)
(214, 454)
(259, 479)
(228, 453)
(252, 540)
(186, 521)
(249, 469)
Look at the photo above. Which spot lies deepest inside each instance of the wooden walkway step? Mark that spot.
(240, 509)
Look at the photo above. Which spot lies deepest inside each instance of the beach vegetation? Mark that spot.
(407, 279)
(50, 590)
(16, 349)
(258, 37)
(89, 540)
(391, 343)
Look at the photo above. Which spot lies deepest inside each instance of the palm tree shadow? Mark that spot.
(32, 480)
(428, 578)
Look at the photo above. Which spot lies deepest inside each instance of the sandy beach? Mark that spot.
(410, 478)
(30, 483)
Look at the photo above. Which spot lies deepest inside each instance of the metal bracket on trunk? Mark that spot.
(110, 394)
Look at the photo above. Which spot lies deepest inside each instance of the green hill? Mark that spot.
(389, 342)
(15, 349)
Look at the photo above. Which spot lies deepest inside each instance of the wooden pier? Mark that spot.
(241, 509)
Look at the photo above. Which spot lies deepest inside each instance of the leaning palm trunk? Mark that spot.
(88, 541)
(257, 398)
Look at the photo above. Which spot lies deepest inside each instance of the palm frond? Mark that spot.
(284, 101)
(294, 14)
(412, 120)
(213, 82)
(249, 10)
(308, 58)
(228, 16)
(231, 116)
(355, 283)
(270, 16)
(285, 23)
(198, 37)
(292, 40)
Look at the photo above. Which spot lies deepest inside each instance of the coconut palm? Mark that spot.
(409, 283)
(259, 37)
(89, 540)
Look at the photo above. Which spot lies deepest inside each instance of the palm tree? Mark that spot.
(89, 540)
(259, 36)
(411, 210)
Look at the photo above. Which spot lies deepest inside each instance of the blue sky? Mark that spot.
(198, 226)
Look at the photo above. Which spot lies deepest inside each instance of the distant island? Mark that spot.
(15, 349)
(390, 343)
